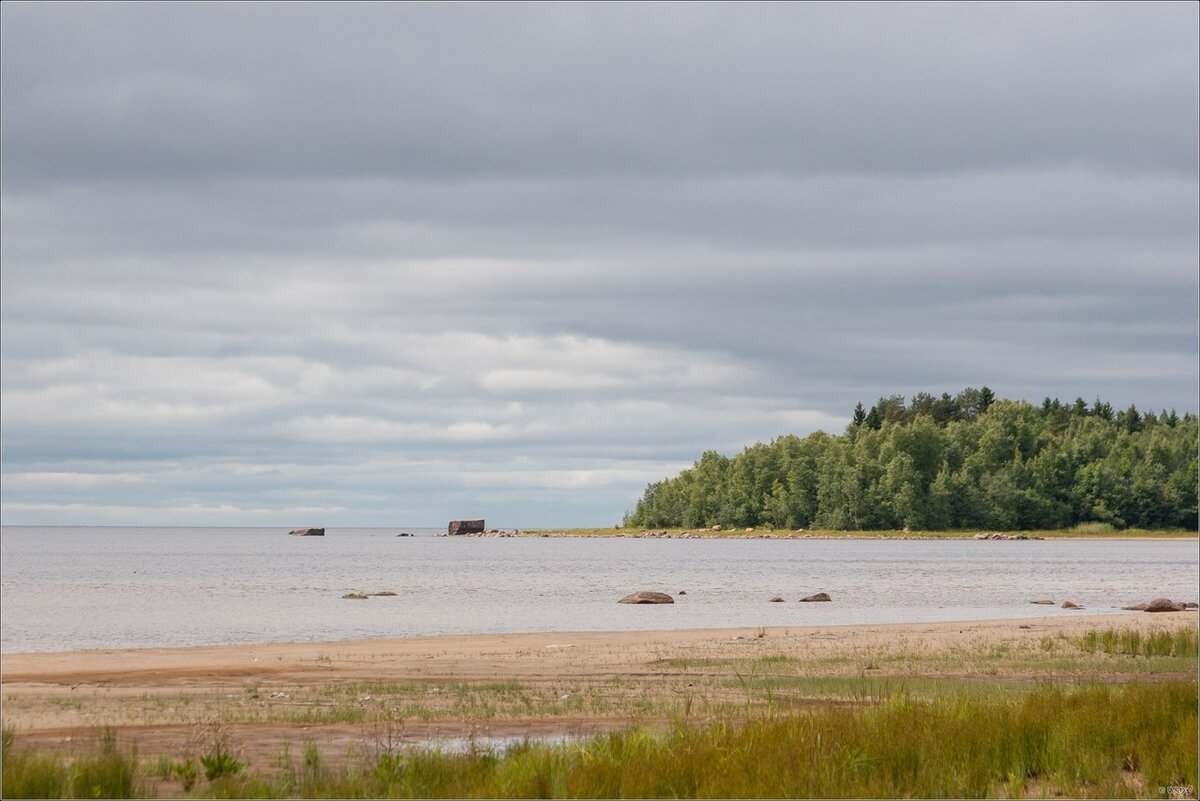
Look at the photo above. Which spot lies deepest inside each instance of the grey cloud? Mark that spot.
(377, 260)
(181, 91)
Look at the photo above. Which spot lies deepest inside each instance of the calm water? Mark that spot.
(72, 588)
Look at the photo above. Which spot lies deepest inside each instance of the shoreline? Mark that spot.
(753, 533)
(418, 640)
(44, 666)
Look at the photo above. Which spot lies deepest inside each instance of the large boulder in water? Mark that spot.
(820, 596)
(307, 532)
(458, 527)
(1164, 605)
(647, 598)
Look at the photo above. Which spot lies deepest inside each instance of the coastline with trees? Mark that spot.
(968, 462)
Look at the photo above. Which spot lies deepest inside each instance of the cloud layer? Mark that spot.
(390, 264)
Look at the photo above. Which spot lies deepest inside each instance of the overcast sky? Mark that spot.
(393, 264)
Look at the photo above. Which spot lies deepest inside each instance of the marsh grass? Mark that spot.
(1130, 642)
(1098, 741)
(104, 772)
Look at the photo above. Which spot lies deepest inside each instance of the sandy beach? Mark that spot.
(339, 694)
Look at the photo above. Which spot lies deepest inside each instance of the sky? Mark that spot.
(393, 264)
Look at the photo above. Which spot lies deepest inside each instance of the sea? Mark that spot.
(73, 588)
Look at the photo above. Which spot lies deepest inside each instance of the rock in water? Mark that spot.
(1164, 605)
(458, 527)
(1071, 605)
(647, 598)
(776, 600)
(820, 596)
(1043, 601)
(357, 596)
(307, 532)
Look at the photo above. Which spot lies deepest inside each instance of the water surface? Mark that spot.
(75, 588)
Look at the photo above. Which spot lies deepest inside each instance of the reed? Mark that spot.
(1130, 642)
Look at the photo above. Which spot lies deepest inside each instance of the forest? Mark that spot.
(970, 461)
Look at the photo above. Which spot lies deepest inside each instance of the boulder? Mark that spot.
(404, 534)
(1043, 601)
(1136, 608)
(683, 592)
(1164, 605)
(776, 600)
(820, 596)
(1191, 605)
(716, 528)
(1071, 605)
(647, 598)
(458, 527)
(307, 532)
(357, 596)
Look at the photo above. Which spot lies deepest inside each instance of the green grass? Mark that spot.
(1130, 642)
(1083, 530)
(1098, 741)
(104, 772)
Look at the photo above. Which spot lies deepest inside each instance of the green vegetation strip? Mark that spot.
(1083, 531)
(1132, 741)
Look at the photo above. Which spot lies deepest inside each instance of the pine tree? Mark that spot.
(986, 398)
(1133, 420)
(859, 416)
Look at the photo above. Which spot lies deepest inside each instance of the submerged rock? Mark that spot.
(776, 600)
(357, 596)
(647, 598)
(307, 532)
(1043, 601)
(820, 596)
(384, 594)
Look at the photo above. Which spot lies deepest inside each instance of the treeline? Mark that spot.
(968, 461)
